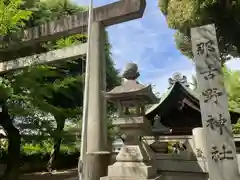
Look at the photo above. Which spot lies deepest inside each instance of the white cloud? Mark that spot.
(143, 41)
(81, 2)
(234, 64)
(160, 78)
(161, 81)
(149, 43)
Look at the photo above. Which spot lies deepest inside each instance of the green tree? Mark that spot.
(11, 20)
(232, 84)
(11, 17)
(55, 89)
(65, 99)
(181, 15)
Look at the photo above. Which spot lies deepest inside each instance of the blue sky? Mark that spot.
(149, 43)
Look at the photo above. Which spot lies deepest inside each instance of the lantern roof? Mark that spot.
(131, 89)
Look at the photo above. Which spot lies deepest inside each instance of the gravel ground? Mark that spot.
(59, 175)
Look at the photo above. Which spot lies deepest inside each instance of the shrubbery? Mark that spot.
(236, 128)
(34, 157)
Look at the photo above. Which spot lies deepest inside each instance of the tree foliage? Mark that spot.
(232, 84)
(11, 17)
(41, 98)
(181, 15)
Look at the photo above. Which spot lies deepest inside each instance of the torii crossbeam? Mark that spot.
(110, 14)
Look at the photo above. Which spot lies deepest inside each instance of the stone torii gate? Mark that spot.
(107, 15)
(111, 14)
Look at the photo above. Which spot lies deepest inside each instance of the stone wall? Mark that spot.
(185, 165)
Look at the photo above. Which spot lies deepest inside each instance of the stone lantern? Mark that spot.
(159, 129)
(133, 160)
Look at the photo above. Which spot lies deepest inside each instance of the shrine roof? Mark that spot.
(175, 88)
(172, 96)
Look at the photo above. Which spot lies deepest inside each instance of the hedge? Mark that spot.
(34, 157)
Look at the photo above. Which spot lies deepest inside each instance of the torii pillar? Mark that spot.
(104, 16)
(97, 158)
(97, 143)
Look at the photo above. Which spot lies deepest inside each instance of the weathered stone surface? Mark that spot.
(119, 178)
(110, 14)
(96, 124)
(133, 160)
(199, 143)
(220, 147)
(171, 175)
(131, 71)
(138, 121)
(132, 153)
(131, 169)
(130, 178)
(49, 57)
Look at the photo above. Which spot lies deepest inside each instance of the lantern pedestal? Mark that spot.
(133, 161)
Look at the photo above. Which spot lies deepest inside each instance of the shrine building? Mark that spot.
(179, 109)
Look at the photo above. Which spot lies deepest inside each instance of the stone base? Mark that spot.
(118, 178)
(128, 178)
(133, 153)
(131, 170)
(72, 178)
(97, 161)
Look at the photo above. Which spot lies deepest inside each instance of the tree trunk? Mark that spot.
(14, 142)
(57, 143)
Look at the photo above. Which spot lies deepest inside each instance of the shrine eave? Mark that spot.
(191, 99)
(176, 88)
